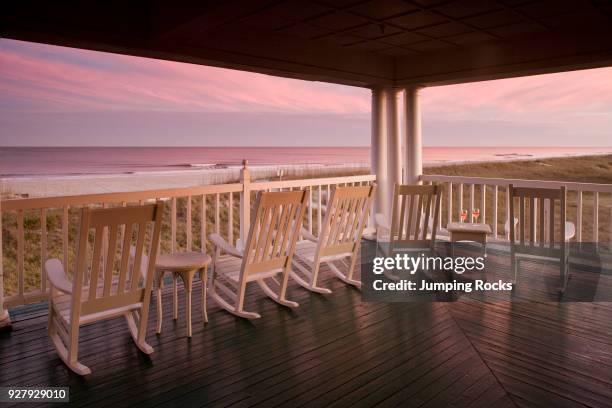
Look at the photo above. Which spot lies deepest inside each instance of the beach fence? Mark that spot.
(38, 228)
(47, 186)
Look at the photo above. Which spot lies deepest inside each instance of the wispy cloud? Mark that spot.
(79, 87)
(57, 78)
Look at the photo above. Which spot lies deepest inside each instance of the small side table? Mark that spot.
(468, 231)
(185, 265)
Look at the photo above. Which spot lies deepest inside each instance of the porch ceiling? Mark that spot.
(354, 42)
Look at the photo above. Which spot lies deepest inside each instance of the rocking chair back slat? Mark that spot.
(109, 290)
(552, 246)
(279, 216)
(420, 203)
(530, 227)
(345, 220)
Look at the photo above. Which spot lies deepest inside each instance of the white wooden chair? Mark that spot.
(268, 252)
(532, 241)
(570, 229)
(98, 291)
(339, 238)
(413, 207)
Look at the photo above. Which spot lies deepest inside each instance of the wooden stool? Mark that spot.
(185, 265)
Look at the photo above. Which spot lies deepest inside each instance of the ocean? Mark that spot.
(57, 161)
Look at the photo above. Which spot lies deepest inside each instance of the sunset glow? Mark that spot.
(60, 96)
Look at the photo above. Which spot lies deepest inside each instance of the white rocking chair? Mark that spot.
(97, 292)
(268, 252)
(339, 238)
(536, 240)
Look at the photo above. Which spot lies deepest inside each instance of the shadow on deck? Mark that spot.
(335, 351)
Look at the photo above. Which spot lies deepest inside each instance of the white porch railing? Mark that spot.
(44, 227)
(589, 205)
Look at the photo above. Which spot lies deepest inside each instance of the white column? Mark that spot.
(378, 150)
(394, 149)
(413, 166)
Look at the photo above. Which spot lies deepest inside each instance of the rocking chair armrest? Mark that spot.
(57, 275)
(222, 244)
(307, 235)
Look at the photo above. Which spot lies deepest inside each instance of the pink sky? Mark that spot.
(61, 96)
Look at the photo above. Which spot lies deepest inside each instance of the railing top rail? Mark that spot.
(265, 185)
(570, 185)
(129, 196)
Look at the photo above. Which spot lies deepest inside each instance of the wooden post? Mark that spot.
(5, 321)
(245, 202)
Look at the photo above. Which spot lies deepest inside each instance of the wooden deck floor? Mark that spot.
(336, 351)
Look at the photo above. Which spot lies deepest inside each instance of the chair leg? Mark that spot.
(312, 286)
(277, 297)
(174, 297)
(203, 278)
(343, 277)
(514, 268)
(351, 268)
(158, 298)
(230, 308)
(65, 353)
(564, 274)
(137, 327)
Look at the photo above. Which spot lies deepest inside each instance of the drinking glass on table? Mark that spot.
(476, 214)
(463, 215)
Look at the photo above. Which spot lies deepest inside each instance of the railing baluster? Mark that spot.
(319, 218)
(43, 248)
(173, 225)
(203, 225)
(450, 202)
(440, 212)
(595, 218)
(495, 211)
(216, 213)
(310, 209)
(460, 200)
(509, 222)
(230, 218)
(535, 219)
(483, 203)
(579, 215)
(547, 219)
(471, 209)
(188, 224)
(609, 238)
(65, 215)
(104, 239)
(20, 252)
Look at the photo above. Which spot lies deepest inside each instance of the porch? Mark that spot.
(334, 350)
(337, 351)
